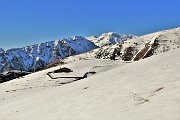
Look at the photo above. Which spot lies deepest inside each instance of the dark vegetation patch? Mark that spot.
(116, 53)
(12, 75)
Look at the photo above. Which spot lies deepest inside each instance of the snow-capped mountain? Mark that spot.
(141, 47)
(112, 46)
(110, 38)
(37, 56)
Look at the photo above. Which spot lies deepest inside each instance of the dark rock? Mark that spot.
(65, 69)
(129, 53)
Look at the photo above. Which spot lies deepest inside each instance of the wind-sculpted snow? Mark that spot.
(36, 56)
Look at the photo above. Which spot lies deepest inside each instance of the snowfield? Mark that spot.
(147, 89)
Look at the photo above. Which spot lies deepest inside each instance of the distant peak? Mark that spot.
(1, 50)
(77, 37)
(92, 37)
(110, 34)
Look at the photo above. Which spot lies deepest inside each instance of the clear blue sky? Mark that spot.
(26, 22)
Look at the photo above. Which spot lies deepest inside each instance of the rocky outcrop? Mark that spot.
(141, 47)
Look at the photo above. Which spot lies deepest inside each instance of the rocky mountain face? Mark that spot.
(110, 38)
(33, 57)
(141, 47)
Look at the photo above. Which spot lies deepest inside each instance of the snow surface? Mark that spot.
(144, 90)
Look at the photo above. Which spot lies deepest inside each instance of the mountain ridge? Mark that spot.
(142, 46)
(110, 38)
(37, 56)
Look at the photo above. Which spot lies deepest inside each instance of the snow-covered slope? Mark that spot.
(143, 90)
(110, 38)
(142, 47)
(37, 56)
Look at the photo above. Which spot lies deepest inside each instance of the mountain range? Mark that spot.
(107, 46)
(33, 57)
(136, 78)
